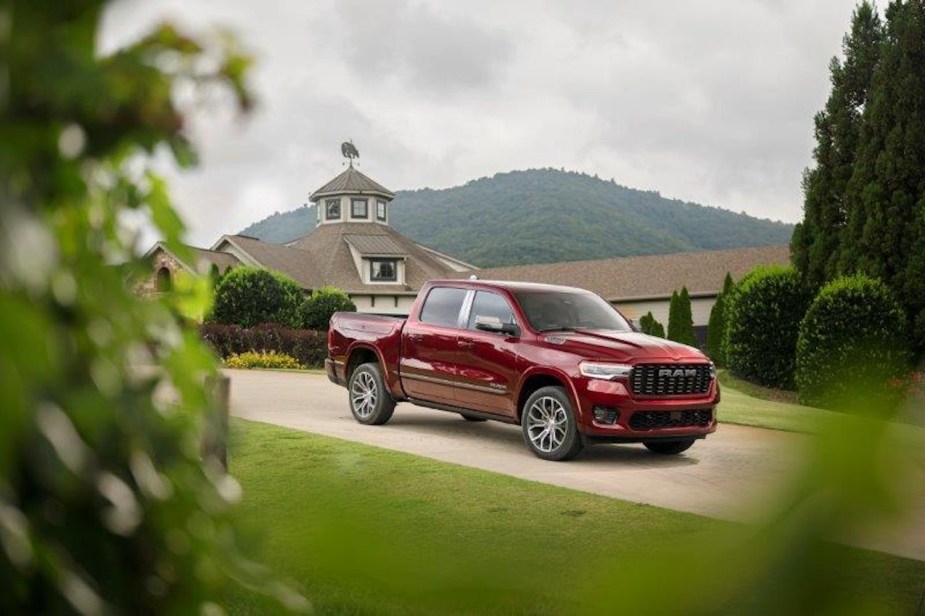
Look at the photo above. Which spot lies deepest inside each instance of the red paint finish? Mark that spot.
(458, 367)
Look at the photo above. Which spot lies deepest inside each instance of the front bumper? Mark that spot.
(643, 418)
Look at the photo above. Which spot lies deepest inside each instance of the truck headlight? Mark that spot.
(712, 370)
(604, 371)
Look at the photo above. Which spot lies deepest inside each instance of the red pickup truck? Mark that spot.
(561, 362)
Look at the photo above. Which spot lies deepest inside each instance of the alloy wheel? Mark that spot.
(547, 424)
(363, 395)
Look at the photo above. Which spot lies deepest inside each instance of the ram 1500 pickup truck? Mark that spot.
(559, 361)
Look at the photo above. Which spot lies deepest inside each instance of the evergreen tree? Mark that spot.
(649, 325)
(885, 237)
(673, 316)
(816, 242)
(680, 320)
(658, 329)
(717, 324)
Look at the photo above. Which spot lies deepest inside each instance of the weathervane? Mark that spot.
(349, 151)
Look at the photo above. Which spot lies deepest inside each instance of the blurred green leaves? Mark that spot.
(104, 502)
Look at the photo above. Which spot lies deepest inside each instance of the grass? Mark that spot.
(756, 391)
(363, 530)
(739, 405)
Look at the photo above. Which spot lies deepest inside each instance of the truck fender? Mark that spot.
(552, 372)
(387, 374)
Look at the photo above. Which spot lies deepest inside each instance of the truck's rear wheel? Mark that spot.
(370, 401)
(549, 425)
(668, 448)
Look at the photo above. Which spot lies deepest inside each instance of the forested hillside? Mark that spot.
(547, 215)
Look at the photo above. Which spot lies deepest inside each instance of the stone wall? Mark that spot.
(160, 259)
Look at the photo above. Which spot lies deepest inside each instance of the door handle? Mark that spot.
(465, 344)
(415, 337)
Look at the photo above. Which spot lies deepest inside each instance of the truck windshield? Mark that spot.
(552, 311)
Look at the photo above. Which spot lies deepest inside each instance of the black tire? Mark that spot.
(472, 418)
(669, 448)
(552, 404)
(369, 399)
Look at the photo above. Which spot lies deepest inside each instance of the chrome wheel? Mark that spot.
(547, 423)
(363, 395)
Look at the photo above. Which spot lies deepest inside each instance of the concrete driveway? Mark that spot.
(731, 475)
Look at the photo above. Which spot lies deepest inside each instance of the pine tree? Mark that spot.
(717, 324)
(673, 316)
(817, 241)
(649, 325)
(686, 319)
(680, 320)
(658, 329)
(885, 237)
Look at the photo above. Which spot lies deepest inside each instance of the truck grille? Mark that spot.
(670, 379)
(655, 420)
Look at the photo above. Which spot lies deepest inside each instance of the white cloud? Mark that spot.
(706, 101)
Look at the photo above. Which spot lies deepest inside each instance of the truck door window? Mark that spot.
(442, 306)
(490, 305)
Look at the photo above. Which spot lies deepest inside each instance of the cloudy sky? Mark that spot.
(703, 100)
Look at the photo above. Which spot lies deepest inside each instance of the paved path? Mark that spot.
(728, 476)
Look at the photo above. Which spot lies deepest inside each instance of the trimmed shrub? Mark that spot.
(249, 296)
(649, 325)
(680, 319)
(262, 359)
(763, 315)
(315, 312)
(308, 347)
(853, 342)
(717, 324)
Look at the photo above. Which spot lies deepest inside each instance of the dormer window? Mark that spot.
(359, 208)
(332, 209)
(380, 210)
(383, 270)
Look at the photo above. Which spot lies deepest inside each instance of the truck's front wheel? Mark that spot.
(549, 425)
(370, 401)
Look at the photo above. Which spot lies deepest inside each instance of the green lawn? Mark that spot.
(363, 530)
(738, 407)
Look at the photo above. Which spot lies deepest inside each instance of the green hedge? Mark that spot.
(315, 311)
(249, 296)
(763, 314)
(853, 341)
(308, 347)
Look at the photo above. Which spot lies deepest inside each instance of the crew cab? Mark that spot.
(559, 361)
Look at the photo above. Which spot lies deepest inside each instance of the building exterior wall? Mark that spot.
(700, 309)
(160, 259)
(384, 304)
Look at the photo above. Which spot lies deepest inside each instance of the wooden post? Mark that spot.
(215, 430)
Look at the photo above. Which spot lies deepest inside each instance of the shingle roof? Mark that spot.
(375, 245)
(646, 277)
(222, 260)
(290, 261)
(329, 254)
(352, 182)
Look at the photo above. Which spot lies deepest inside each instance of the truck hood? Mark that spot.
(624, 347)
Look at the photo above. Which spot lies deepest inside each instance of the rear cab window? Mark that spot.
(442, 306)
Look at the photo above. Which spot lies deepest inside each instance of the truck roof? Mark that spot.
(509, 285)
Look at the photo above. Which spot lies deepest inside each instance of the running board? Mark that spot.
(455, 409)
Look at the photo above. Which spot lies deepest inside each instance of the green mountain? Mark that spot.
(547, 215)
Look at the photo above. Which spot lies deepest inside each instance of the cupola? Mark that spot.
(352, 196)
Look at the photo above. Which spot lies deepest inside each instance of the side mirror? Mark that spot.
(494, 324)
